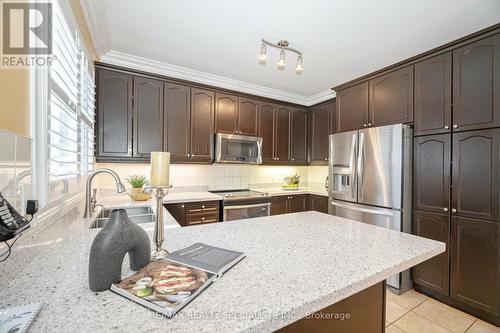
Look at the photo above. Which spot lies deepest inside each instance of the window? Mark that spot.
(64, 133)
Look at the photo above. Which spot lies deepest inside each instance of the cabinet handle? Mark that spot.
(445, 209)
(203, 206)
(455, 126)
(203, 218)
(326, 159)
(293, 159)
(369, 124)
(364, 125)
(446, 127)
(277, 158)
(202, 221)
(182, 206)
(453, 210)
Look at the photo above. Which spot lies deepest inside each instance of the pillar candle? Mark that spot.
(160, 168)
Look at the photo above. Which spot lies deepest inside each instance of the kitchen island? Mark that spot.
(295, 265)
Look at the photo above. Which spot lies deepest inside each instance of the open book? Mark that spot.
(167, 285)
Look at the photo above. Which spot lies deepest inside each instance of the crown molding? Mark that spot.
(98, 28)
(153, 66)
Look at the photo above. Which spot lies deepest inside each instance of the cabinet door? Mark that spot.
(297, 203)
(282, 137)
(299, 136)
(433, 273)
(317, 203)
(177, 120)
(320, 130)
(333, 117)
(476, 85)
(352, 108)
(266, 131)
(148, 116)
(178, 212)
(247, 116)
(226, 113)
(433, 95)
(114, 111)
(475, 263)
(476, 174)
(431, 174)
(279, 205)
(202, 125)
(391, 98)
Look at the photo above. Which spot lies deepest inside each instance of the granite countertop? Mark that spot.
(319, 260)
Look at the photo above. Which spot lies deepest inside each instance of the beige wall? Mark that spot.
(14, 85)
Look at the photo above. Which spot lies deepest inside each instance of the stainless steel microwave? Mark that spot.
(234, 148)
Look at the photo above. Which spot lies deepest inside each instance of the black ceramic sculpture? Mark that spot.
(118, 237)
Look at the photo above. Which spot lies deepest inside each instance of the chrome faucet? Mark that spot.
(90, 196)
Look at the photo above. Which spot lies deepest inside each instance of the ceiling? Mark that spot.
(218, 41)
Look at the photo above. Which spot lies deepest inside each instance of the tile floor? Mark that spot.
(413, 312)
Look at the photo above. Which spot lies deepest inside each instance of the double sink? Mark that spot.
(138, 214)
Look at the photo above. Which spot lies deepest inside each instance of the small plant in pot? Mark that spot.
(137, 182)
(291, 183)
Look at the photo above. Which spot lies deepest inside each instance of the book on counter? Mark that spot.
(167, 285)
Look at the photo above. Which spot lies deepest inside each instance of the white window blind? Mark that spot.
(70, 117)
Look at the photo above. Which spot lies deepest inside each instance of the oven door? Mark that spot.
(238, 212)
(232, 148)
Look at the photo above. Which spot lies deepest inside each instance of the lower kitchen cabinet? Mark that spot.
(475, 264)
(195, 213)
(435, 272)
(317, 203)
(297, 203)
(279, 205)
(284, 204)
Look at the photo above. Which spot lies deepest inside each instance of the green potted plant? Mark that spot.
(291, 183)
(137, 192)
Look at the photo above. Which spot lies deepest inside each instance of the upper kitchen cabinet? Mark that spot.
(476, 85)
(202, 125)
(147, 116)
(282, 137)
(235, 115)
(333, 117)
(266, 131)
(433, 95)
(248, 110)
(298, 140)
(319, 130)
(391, 98)
(475, 174)
(352, 108)
(177, 122)
(431, 173)
(114, 114)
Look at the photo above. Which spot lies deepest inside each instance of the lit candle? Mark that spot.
(160, 168)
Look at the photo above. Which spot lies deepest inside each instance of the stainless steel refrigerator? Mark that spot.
(370, 180)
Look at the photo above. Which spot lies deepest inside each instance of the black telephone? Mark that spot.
(11, 222)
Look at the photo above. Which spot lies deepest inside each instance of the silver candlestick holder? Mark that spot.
(159, 193)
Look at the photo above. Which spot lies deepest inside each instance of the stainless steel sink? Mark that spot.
(139, 214)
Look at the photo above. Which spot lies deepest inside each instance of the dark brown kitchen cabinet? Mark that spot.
(475, 263)
(333, 117)
(266, 131)
(433, 95)
(319, 131)
(282, 137)
(226, 113)
(194, 213)
(431, 175)
(433, 273)
(147, 116)
(178, 212)
(177, 122)
(202, 125)
(248, 111)
(318, 203)
(114, 114)
(475, 174)
(391, 98)
(298, 137)
(476, 85)
(352, 107)
(284, 204)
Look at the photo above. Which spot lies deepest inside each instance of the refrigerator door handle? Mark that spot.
(361, 164)
(352, 165)
(364, 210)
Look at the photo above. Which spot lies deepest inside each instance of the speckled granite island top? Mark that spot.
(296, 264)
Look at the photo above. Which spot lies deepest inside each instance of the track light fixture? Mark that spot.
(283, 46)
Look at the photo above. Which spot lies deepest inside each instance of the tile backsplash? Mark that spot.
(15, 169)
(218, 176)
